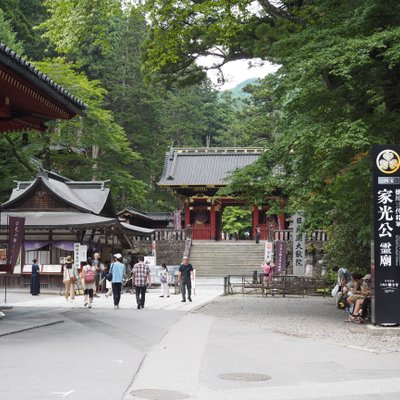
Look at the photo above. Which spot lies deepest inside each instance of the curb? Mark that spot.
(31, 327)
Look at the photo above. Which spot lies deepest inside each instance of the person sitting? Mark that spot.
(362, 301)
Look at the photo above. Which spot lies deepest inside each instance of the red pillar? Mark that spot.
(213, 223)
(281, 221)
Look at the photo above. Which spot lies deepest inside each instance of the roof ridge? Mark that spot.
(218, 150)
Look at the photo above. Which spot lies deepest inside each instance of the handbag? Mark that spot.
(109, 276)
(71, 278)
(163, 279)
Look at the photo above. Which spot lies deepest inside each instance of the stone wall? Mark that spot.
(168, 251)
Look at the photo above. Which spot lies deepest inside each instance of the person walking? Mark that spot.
(118, 271)
(185, 279)
(89, 282)
(35, 278)
(141, 277)
(97, 264)
(70, 275)
(258, 233)
(164, 280)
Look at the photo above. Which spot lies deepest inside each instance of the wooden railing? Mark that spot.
(163, 234)
(286, 235)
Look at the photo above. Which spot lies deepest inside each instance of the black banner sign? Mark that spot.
(386, 268)
(280, 257)
(16, 234)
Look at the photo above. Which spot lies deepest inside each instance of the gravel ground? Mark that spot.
(309, 317)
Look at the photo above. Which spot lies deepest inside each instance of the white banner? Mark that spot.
(269, 251)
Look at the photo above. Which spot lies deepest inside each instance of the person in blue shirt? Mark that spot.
(118, 271)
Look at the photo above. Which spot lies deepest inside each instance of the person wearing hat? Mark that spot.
(118, 271)
(70, 275)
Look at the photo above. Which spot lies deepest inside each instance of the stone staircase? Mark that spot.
(217, 259)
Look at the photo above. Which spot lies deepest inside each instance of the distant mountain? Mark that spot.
(237, 90)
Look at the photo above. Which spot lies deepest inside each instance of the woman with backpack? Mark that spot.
(89, 282)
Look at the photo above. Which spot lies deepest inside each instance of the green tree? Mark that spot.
(336, 94)
(236, 219)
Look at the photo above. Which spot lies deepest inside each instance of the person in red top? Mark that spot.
(141, 278)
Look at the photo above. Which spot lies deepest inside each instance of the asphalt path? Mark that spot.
(222, 348)
(91, 354)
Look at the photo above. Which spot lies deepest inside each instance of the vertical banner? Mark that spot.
(154, 249)
(177, 220)
(269, 251)
(299, 245)
(77, 255)
(386, 198)
(280, 257)
(16, 232)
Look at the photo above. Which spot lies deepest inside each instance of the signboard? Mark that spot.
(386, 198)
(299, 245)
(150, 261)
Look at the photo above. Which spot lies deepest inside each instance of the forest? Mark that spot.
(134, 63)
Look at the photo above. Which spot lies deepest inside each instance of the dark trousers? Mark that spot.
(186, 285)
(140, 295)
(116, 286)
(89, 293)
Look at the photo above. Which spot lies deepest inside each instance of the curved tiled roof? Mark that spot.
(88, 197)
(31, 73)
(205, 166)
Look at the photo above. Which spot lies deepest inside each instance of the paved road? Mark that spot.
(214, 348)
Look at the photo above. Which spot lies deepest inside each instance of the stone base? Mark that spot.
(377, 330)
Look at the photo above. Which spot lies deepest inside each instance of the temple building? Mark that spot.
(58, 213)
(195, 175)
(29, 98)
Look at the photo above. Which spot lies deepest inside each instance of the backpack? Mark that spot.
(342, 302)
(89, 276)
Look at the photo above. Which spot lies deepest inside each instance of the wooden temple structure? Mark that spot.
(29, 98)
(58, 213)
(195, 175)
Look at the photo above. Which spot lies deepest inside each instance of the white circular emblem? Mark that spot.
(388, 161)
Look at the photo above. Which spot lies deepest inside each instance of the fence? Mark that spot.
(286, 235)
(279, 285)
(162, 234)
